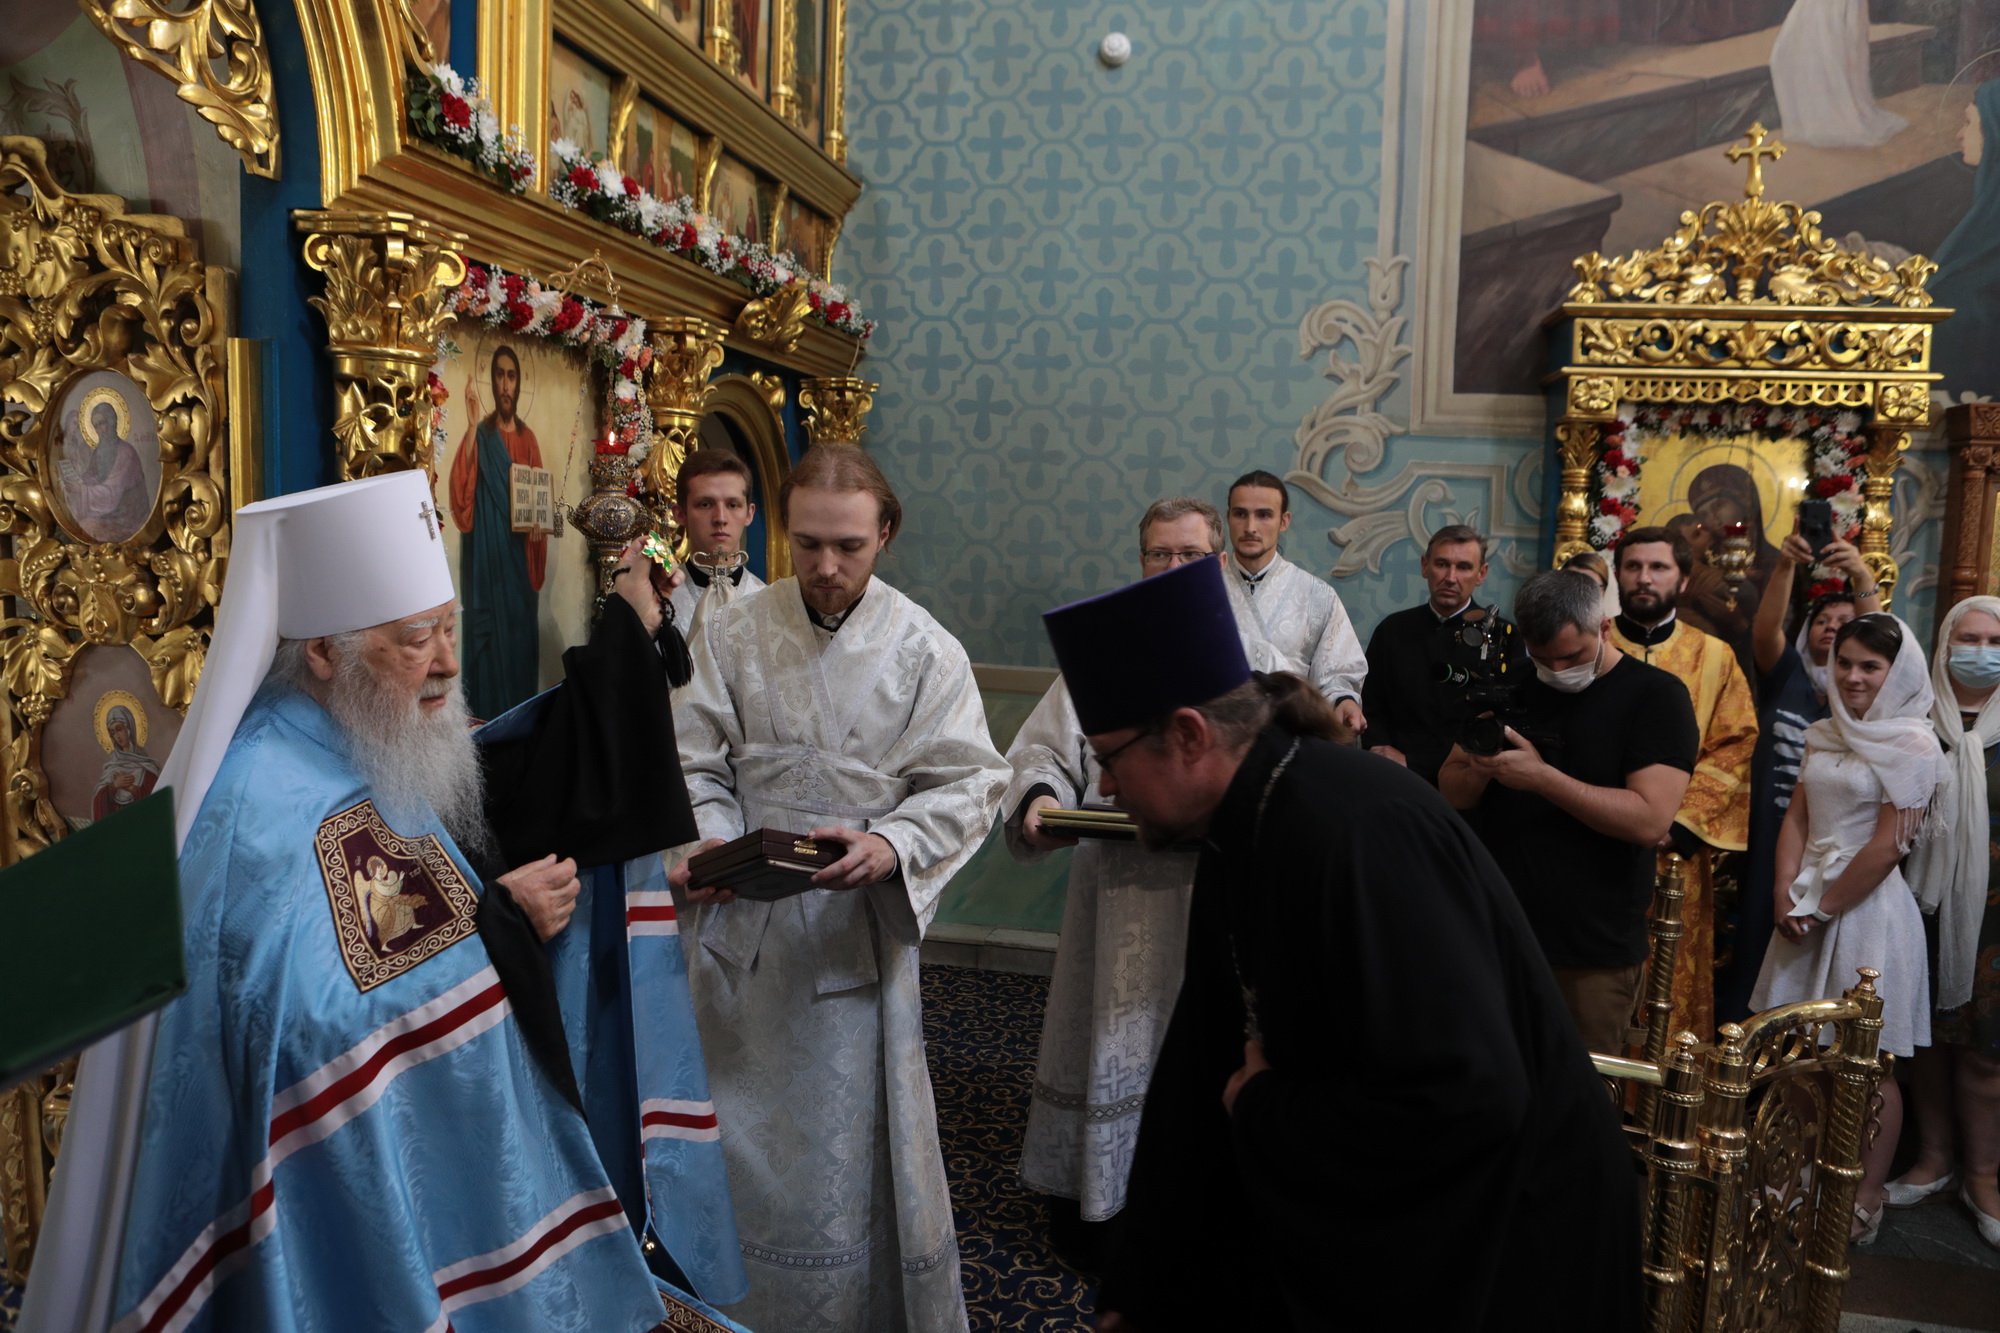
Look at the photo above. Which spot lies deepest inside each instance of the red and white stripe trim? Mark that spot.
(489, 1276)
(667, 1118)
(305, 1114)
(650, 912)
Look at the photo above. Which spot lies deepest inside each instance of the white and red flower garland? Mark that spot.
(451, 113)
(595, 186)
(1835, 443)
(614, 339)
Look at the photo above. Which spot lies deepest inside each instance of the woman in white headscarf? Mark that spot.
(1868, 779)
(1956, 1086)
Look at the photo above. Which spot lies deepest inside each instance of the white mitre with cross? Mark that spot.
(317, 562)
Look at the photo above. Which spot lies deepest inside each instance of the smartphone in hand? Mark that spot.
(1816, 524)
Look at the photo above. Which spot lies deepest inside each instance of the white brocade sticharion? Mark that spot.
(809, 1007)
(1303, 618)
(1117, 971)
(689, 596)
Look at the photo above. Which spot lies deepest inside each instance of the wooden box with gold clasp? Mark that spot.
(764, 865)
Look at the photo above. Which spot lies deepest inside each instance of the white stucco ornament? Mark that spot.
(1115, 49)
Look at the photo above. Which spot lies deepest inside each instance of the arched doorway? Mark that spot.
(742, 419)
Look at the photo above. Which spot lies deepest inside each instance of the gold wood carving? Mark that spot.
(624, 102)
(111, 314)
(214, 52)
(686, 351)
(777, 320)
(1970, 564)
(1747, 304)
(387, 276)
(836, 408)
(784, 62)
(772, 388)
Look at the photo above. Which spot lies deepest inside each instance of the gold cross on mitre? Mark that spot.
(1756, 150)
(429, 516)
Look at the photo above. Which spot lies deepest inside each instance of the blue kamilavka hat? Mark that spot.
(1136, 654)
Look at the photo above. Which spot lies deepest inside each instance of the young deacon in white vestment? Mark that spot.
(830, 704)
(713, 506)
(1301, 615)
(1124, 931)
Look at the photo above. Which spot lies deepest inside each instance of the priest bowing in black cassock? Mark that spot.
(1371, 1105)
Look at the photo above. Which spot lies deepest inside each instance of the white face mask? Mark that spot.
(1572, 680)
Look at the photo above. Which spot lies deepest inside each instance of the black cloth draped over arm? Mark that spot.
(599, 779)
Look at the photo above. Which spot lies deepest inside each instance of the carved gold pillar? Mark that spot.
(1850, 1116)
(1967, 559)
(1672, 1155)
(784, 65)
(721, 37)
(1577, 443)
(387, 277)
(836, 81)
(836, 408)
(1886, 445)
(686, 351)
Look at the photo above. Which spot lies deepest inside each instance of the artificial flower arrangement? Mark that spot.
(449, 112)
(615, 340)
(1834, 440)
(595, 186)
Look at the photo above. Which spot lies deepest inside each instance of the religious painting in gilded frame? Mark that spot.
(579, 100)
(434, 17)
(1701, 486)
(738, 201)
(808, 19)
(104, 458)
(103, 744)
(518, 433)
(804, 233)
(660, 152)
(684, 16)
(750, 24)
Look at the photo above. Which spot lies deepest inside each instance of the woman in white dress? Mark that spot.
(1820, 72)
(1868, 777)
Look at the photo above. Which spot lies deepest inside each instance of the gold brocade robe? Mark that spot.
(1716, 808)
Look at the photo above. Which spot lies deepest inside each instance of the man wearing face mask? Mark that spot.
(1573, 814)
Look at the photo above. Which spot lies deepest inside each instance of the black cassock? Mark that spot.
(1430, 1148)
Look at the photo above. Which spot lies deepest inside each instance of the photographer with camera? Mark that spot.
(1434, 666)
(1590, 765)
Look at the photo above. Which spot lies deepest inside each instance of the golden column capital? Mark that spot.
(1887, 443)
(388, 276)
(836, 408)
(1577, 442)
(687, 350)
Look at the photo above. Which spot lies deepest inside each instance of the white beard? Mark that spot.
(413, 758)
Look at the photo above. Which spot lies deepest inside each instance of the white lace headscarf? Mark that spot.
(1949, 874)
(1895, 740)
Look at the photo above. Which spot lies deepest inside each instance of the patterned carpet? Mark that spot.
(981, 1029)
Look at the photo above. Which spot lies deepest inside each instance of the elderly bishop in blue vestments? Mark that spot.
(352, 1119)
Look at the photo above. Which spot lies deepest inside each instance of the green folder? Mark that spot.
(93, 937)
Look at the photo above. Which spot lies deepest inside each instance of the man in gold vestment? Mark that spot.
(1652, 569)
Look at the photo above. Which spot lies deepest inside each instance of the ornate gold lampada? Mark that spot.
(387, 278)
(836, 408)
(1733, 558)
(1747, 304)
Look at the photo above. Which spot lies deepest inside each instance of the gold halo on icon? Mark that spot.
(100, 717)
(86, 414)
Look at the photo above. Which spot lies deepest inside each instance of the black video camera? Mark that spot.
(1491, 701)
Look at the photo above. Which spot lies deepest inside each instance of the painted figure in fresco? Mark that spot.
(1720, 495)
(500, 570)
(749, 18)
(1968, 277)
(1523, 31)
(1820, 72)
(129, 772)
(103, 481)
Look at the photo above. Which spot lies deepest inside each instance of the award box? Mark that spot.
(764, 865)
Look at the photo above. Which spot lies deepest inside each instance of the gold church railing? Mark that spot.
(1753, 1155)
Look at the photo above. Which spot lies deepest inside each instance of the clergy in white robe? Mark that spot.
(713, 505)
(1124, 931)
(1300, 614)
(832, 705)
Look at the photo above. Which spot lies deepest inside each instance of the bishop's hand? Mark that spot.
(677, 880)
(546, 891)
